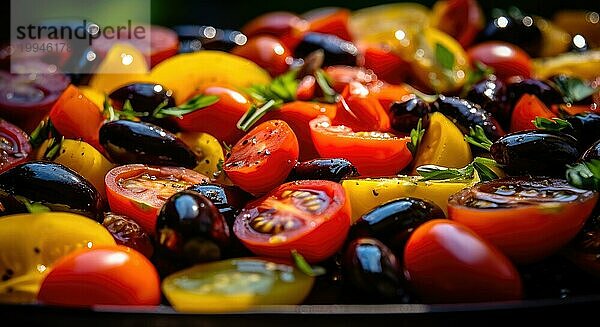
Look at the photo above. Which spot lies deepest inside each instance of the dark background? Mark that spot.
(234, 13)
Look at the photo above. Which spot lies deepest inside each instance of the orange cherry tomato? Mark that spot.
(389, 93)
(372, 153)
(525, 111)
(267, 52)
(263, 158)
(343, 75)
(388, 66)
(277, 23)
(329, 21)
(306, 88)
(506, 59)
(361, 110)
(461, 19)
(104, 275)
(447, 262)
(139, 191)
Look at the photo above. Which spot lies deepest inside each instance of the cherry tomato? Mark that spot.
(329, 20)
(139, 191)
(390, 93)
(104, 275)
(76, 117)
(267, 52)
(525, 111)
(447, 262)
(306, 88)
(343, 75)
(361, 110)
(219, 119)
(277, 23)
(526, 218)
(506, 59)
(461, 19)
(14, 145)
(310, 216)
(263, 158)
(387, 65)
(372, 153)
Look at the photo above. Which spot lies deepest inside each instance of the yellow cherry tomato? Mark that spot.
(122, 65)
(210, 155)
(585, 65)
(93, 95)
(379, 24)
(555, 40)
(31, 243)
(368, 193)
(235, 285)
(443, 145)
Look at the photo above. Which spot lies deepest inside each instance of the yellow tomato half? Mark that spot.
(122, 65)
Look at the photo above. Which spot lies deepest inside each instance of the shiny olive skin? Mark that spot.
(512, 29)
(336, 50)
(393, 222)
(189, 230)
(593, 152)
(535, 152)
(55, 186)
(467, 114)
(586, 128)
(10, 205)
(542, 90)
(193, 38)
(372, 269)
(404, 116)
(127, 232)
(334, 170)
(139, 142)
(490, 94)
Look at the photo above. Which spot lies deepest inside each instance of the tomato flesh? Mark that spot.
(526, 110)
(14, 145)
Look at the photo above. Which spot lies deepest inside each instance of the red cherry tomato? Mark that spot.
(104, 275)
(446, 262)
(263, 158)
(387, 94)
(267, 52)
(311, 217)
(277, 23)
(329, 21)
(219, 119)
(14, 146)
(506, 59)
(76, 117)
(139, 191)
(361, 110)
(388, 66)
(343, 75)
(461, 19)
(526, 218)
(525, 111)
(372, 153)
(306, 88)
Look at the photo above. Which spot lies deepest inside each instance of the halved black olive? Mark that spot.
(593, 152)
(138, 142)
(586, 128)
(334, 170)
(404, 116)
(542, 90)
(535, 152)
(490, 94)
(337, 51)
(468, 114)
(393, 222)
(53, 185)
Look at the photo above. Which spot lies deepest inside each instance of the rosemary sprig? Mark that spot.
(554, 124)
(305, 267)
(416, 135)
(478, 138)
(198, 102)
(479, 165)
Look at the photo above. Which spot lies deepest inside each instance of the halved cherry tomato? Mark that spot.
(14, 145)
(506, 59)
(219, 119)
(387, 65)
(104, 275)
(526, 218)
(76, 117)
(267, 52)
(139, 191)
(263, 158)
(361, 110)
(372, 153)
(306, 88)
(525, 111)
(390, 93)
(311, 216)
(461, 19)
(343, 75)
(447, 262)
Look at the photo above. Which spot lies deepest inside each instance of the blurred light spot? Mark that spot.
(157, 88)
(90, 55)
(196, 45)
(501, 22)
(460, 74)
(240, 39)
(579, 41)
(400, 35)
(420, 53)
(290, 60)
(593, 17)
(52, 69)
(93, 29)
(209, 32)
(527, 21)
(502, 51)
(89, 245)
(41, 268)
(126, 59)
(278, 49)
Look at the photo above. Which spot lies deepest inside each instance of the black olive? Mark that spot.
(535, 152)
(586, 128)
(334, 170)
(393, 222)
(371, 268)
(189, 230)
(138, 142)
(337, 51)
(53, 185)
(404, 116)
(514, 27)
(10, 205)
(467, 114)
(593, 152)
(542, 90)
(194, 38)
(490, 94)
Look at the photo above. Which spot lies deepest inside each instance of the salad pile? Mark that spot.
(394, 154)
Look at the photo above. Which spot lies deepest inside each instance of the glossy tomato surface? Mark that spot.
(105, 275)
(461, 19)
(267, 52)
(526, 110)
(361, 110)
(506, 59)
(312, 217)
(14, 145)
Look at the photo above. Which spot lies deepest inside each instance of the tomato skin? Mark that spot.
(105, 275)
(219, 119)
(19, 143)
(267, 52)
(142, 207)
(372, 156)
(329, 21)
(462, 19)
(525, 111)
(447, 262)
(361, 110)
(387, 65)
(263, 158)
(76, 117)
(277, 23)
(306, 88)
(326, 232)
(506, 59)
(387, 94)
(343, 75)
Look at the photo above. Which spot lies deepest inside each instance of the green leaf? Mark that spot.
(198, 102)
(53, 148)
(554, 124)
(254, 113)
(416, 135)
(282, 88)
(574, 89)
(434, 172)
(305, 267)
(478, 138)
(482, 166)
(40, 133)
(32, 207)
(585, 175)
(444, 57)
(480, 72)
(324, 82)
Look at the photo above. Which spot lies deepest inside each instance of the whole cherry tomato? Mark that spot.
(341, 76)
(506, 59)
(388, 66)
(277, 23)
(329, 20)
(461, 19)
(361, 110)
(267, 52)
(447, 262)
(525, 111)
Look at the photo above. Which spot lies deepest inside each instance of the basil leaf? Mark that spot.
(444, 57)
(573, 89)
(305, 267)
(554, 124)
(585, 175)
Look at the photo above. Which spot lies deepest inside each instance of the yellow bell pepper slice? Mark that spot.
(123, 64)
(210, 153)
